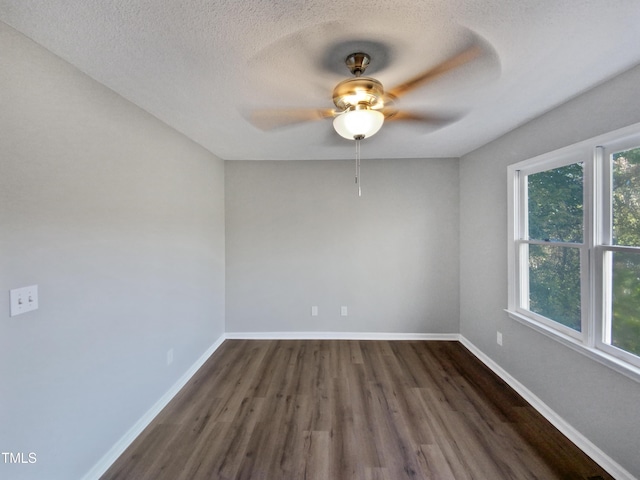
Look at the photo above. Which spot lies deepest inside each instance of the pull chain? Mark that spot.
(357, 138)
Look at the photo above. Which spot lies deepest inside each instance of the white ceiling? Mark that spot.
(202, 65)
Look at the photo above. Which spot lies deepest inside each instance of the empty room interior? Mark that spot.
(187, 197)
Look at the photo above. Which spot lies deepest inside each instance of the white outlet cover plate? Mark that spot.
(24, 300)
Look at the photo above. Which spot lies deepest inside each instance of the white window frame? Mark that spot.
(594, 250)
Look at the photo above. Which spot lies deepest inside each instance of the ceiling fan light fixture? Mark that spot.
(358, 122)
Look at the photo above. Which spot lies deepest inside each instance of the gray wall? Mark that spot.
(601, 404)
(120, 221)
(298, 235)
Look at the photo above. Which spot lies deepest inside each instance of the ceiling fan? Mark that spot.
(361, 103)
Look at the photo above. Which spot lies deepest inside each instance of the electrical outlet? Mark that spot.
(499, 338)
(314, 311)
(24, 300)
(344, 311)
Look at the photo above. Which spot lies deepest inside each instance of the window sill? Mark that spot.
(620, 366)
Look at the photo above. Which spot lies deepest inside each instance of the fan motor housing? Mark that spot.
(358, 91)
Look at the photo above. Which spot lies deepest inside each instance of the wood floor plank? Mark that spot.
(316, 456)
(200, 462)
(344, 445)
(377, 474)
(400, 377)
(394, 441)
(352, 410)
(396, 427)
(320, 398)
(235, 436)
(435, 462)
(364, 419)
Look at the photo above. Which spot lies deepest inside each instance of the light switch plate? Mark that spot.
(24, 300)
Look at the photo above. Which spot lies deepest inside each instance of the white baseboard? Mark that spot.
(340, 336)
(121, 445)
(601, 458)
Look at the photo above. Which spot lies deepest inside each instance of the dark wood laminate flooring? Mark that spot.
(370, 410)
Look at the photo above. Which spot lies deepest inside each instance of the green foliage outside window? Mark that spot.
(625, 328)
(555, 204)
(556, 215)
(554, 283)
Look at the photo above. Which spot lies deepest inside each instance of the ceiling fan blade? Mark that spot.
(451, 63)
(404, 116)
(271, 119)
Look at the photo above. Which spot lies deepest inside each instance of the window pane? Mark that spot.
(626, 197)
(555, 204)
(554, 283)
(625, 324)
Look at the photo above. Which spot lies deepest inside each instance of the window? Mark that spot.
(574, 247)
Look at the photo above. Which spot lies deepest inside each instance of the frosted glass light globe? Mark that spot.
(355, 123)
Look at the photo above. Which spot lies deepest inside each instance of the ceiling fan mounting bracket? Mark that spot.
(357, 63)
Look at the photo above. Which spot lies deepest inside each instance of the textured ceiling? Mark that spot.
(202, 65)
